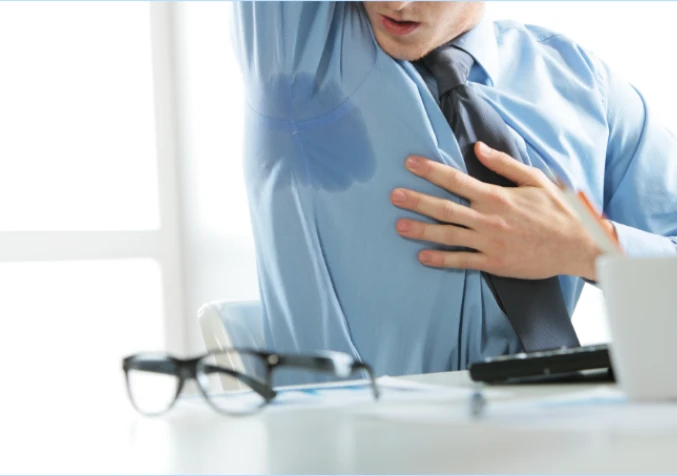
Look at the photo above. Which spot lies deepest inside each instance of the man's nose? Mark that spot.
(397, 5)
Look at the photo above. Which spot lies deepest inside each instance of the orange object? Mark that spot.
(601, 230)
(598, 216)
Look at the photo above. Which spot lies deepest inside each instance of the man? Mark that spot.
(361, 252)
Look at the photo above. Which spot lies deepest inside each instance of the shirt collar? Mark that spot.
(480, 43)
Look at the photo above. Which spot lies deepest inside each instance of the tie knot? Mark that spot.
(450, 66)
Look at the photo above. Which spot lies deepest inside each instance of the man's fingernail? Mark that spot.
(403, 225)
(398, 196)
(485, 149)
(413, 162)
(426, 257)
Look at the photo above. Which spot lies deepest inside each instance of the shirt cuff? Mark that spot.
(638, 243)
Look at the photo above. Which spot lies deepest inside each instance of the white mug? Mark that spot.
(641, 302)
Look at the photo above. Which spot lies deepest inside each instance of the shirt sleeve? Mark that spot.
(291, 59)
(640, 188)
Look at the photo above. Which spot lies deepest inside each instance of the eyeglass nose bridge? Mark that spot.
(188, 372)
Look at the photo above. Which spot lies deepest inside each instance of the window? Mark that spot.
(78, 147)
(88, 247)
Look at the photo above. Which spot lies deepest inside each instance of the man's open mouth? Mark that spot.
(398, 27)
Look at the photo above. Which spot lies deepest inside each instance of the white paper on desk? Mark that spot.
(391, 389)
(360, 391)
(597, 409)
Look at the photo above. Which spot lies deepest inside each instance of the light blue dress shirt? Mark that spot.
(330, 119)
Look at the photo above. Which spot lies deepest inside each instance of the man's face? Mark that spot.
(410, 30)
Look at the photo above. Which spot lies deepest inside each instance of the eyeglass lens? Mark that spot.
(225, 391)
(152, 384)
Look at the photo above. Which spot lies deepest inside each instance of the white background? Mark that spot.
(122, 204)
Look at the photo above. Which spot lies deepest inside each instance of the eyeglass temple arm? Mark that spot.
(259, 387)
(326, 364)
(372, 378)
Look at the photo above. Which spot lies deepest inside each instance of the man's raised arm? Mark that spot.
(284, 48)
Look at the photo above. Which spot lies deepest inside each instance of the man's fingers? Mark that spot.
(453, 259)
(447, 177)
(437, 208)
(443, 234)
(506, 166)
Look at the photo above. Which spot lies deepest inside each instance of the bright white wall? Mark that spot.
(218, 249)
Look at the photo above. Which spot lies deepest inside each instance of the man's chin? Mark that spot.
(400, 51)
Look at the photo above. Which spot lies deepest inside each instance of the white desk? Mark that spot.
(79, 437)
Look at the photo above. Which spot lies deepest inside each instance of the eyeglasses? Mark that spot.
(154, 381)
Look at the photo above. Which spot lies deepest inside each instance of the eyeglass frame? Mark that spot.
(338, 363)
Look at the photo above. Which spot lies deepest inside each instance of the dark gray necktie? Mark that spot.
(535, 308)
